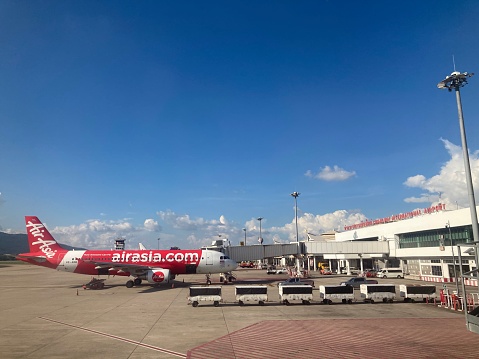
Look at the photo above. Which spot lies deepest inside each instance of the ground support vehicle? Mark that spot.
(376, 292)
(390, 273)
(251, 293)
(357, 281)
(277, 271)
(205, 294)
(345, 293)
(95, 283)
(227, 277)
(412, 293)
(301, 292)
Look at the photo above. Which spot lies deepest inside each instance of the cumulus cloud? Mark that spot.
(96, 234)
(317, 224)
(449, 185)
(331, 174)
(151, 225)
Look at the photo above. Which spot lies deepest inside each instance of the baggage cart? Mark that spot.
(376, 292)
(301, 292)
(205, 294)
(251, 293)
(345, 293)
(412, 293)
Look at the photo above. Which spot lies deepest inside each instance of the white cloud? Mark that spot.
(318, 224)
(331, 174)
(449, 186)
(96, 234)
(151, 225)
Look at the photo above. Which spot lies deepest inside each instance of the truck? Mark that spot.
(301, 292)
(411, 293)
(376, 292)
(343, 292)
(357, 281)
(297, 280)
(251, 293)
(205, 294)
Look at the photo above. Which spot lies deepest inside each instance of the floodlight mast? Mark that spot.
(454, 82)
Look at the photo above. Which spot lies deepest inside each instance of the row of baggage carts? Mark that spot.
(328, 294)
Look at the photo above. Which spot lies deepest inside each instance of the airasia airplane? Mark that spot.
(154, 266)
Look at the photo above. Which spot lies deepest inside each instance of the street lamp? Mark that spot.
(260, 239)
(454, 82)
(448, 226)
(158, 243)
(295, 195)
(244, 229)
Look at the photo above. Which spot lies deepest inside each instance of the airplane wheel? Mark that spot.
(216, 303)
(129, 284)
(195, 304)
(137, 281)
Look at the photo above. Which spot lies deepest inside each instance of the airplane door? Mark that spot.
(209, 258)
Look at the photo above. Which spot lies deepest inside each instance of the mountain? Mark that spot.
(18, 243)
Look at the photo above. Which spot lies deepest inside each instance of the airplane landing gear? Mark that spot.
(208, 279)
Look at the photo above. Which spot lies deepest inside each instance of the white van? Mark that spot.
(390, 273)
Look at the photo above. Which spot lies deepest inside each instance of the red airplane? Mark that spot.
(154, 266)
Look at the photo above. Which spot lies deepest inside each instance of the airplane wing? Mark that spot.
(121, 266)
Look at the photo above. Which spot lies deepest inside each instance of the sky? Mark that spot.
(175, 123)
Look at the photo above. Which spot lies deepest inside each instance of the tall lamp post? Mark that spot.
(454, 82)
(158, 243)
(295, 195)
(260, 239)
(244, 229)
(448, 226)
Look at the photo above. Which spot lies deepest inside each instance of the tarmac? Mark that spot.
(47, 314)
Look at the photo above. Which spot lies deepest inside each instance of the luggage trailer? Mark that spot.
(376, 292)
(251, 293)
(345, 293)
(411, 293)
(205, 294)
(301, 292)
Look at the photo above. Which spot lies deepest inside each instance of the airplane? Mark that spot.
(154, 266)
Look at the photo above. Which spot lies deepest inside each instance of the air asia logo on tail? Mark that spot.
(37, 230)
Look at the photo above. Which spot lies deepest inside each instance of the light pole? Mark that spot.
(244, 229)
(260, 239)
(448, 226)
(158, 243)
(295, 195)
(454, 82)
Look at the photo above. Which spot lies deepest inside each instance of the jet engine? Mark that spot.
(157, 276)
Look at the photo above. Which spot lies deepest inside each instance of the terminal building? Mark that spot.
(422, 242)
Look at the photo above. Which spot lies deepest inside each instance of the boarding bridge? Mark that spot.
(329, 250)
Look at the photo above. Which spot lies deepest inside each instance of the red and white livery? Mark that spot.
(154, 266)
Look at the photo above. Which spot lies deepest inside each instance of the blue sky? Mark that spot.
(188, 120)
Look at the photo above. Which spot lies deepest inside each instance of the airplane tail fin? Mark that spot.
(40, 239)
